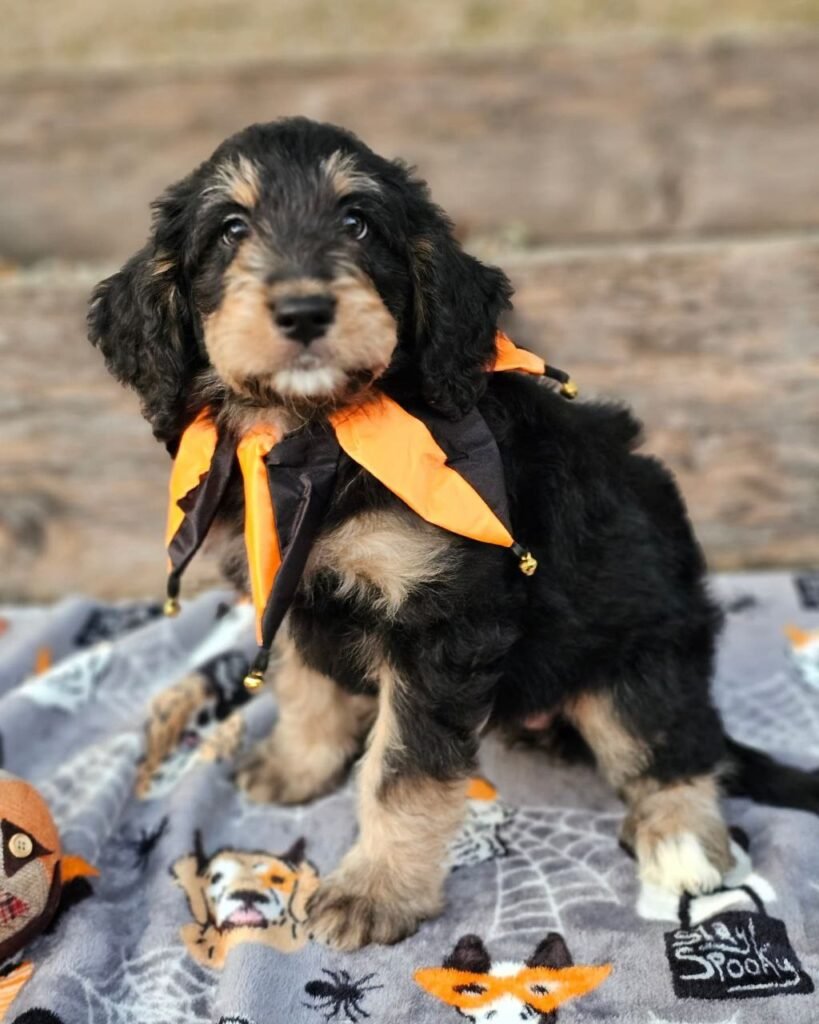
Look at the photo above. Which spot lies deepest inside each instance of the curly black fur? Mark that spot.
(141, 318)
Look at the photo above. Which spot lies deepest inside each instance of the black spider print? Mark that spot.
(340, 994)
(143, 845)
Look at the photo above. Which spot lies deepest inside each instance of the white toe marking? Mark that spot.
(656, 903)
(679, 863)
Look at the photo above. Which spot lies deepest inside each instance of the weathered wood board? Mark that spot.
(550, 146)
(715, 345)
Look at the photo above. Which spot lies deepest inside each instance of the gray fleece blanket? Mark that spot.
(129, 724)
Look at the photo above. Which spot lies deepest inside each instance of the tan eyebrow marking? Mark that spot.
(344, 177)
(238, 180)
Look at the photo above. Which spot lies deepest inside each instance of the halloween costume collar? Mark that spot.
(449, 473)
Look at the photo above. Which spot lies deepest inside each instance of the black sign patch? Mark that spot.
(738, 954)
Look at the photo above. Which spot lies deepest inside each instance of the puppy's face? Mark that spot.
(296, 267)
(295, 280)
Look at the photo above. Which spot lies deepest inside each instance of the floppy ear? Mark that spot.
(187, 872)
(457, 304)
(141, 320)
(307, 881)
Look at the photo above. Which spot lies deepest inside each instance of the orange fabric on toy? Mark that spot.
(10, 985)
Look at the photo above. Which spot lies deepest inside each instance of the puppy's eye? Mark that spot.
(234, 229)
(355, 225)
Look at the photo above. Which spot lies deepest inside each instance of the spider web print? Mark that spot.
(557, 856)
(138, 672)
(654, 1019)
(161, 987)
(308, 819)
(87, 794)
(115, 680)
(778, 714)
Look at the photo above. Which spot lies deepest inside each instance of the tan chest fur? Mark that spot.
(384, 556)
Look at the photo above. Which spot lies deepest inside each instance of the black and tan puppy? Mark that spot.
(295, 272)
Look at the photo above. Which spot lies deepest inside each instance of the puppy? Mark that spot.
(296, 272)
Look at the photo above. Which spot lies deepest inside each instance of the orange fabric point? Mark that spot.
(399, 450)
(510, 357)
(192, 462)
(73, 866)
(261, 541)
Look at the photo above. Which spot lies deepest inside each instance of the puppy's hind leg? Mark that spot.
(319, 731)
(678, 833)
(674, 824)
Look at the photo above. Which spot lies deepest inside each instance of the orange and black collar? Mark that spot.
(449, 473)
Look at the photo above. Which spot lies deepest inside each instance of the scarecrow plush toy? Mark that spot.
(34, 871)
(449, 473)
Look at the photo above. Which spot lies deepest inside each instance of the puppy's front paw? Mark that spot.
(265, 779)
(680, 864)
(266, 775)
(344, 915)
(260, 782)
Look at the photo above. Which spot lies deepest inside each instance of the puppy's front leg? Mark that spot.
(409, 810)
(319, 731)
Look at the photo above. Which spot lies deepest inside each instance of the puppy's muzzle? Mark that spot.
(304, 317)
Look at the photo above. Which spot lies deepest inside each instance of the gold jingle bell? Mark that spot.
(527, 564)
(254, 680)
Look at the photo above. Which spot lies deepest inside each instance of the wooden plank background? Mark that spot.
(657, 208)
(552, 147)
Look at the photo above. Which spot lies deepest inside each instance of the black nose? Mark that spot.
(249, 896)
(305, 317)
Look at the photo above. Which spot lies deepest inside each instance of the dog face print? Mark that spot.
(240, 896)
